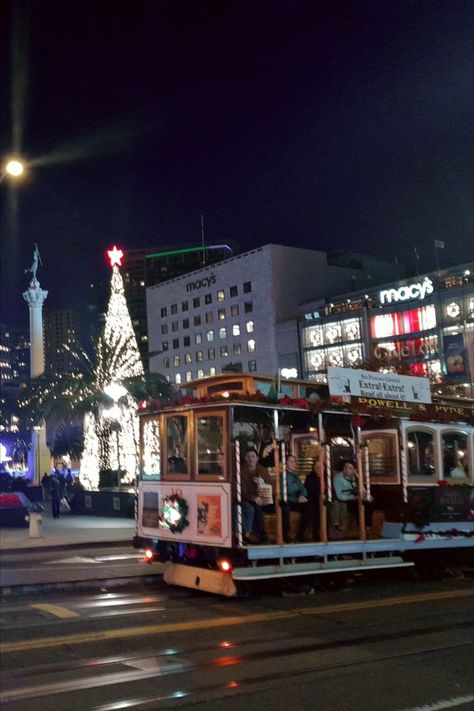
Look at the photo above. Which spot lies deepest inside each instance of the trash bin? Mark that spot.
(36, 523)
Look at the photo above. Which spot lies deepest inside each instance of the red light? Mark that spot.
(115, 256)
(148, 555)
(224, 566)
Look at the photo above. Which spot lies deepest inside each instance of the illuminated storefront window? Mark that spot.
(403, 322)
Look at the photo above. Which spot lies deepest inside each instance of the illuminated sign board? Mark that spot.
(363, 383)
(417, 290)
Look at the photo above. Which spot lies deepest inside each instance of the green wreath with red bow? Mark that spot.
(174, 513)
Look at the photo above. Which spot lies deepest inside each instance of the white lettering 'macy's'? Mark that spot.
(405, 293)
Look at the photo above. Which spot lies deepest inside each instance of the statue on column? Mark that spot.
(34, 266)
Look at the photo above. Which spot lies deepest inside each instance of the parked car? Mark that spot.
(15, 508)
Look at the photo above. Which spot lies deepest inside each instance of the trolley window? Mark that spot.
(383, 456)
(151, 451)
(176, 465)
(211, 448)
(454, 448)
(421, 453)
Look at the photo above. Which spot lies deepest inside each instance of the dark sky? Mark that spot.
(335, 125)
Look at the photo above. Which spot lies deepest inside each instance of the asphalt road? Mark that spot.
(374, 644)
(91, 564)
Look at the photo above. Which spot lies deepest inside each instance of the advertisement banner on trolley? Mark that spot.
(187, 512)
(349, 382)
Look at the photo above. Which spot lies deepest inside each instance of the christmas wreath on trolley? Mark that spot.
(174, 513)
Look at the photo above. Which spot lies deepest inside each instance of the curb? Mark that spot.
(70, 585)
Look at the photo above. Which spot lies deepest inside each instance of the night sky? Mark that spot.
(335, 125)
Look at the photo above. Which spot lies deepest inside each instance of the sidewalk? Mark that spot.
(69, 530)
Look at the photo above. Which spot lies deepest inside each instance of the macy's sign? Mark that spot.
(404, 293)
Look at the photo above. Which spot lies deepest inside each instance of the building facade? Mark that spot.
(143, 268)
(60, 327)
(240, 315)
(425, 323)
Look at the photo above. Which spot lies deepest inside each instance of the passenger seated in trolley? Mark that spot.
(346, 496)
(255, 481)
(296, 500)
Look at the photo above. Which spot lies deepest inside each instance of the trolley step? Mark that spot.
(262, 572)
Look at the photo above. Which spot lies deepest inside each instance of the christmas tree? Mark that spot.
(111, 433)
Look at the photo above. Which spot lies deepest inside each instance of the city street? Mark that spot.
(394, 644)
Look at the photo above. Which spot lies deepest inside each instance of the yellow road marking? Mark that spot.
(55, 610)
(173, 627)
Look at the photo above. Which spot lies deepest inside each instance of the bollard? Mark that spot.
(36, 522)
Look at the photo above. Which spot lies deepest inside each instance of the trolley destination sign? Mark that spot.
(437, 410)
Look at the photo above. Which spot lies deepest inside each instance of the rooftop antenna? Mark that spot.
(202, 240)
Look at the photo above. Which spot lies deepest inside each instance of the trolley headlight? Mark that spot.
(148, 555)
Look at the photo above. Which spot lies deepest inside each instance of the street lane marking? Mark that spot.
(107, 635)
(447, 704)
(55, 610)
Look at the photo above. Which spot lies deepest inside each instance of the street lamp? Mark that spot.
(15, 168)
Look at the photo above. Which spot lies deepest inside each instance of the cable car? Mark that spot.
(412, 476)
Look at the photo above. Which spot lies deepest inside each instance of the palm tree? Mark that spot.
(67, 440)
(62, 397)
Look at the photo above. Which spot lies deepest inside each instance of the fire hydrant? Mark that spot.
(36, 523)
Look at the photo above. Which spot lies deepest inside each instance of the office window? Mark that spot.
(166, 362)
(189, 376)
(234, 310)
(184, 306)
(247, 287)
(163, 312)
(196, 302)
(197, 338)
(208, 299)
(176, 361)
(174, 326)
(188, 358)
(185, 323)
(200, 373)
(233, 291)
(164, 328)
(199, 356)
(197, 320)
(252, 366)
(236, 329)
(220, 295)
(237, 349)
(212, 370)
(209, 317)
(187, 341)
(177, 378)
(164, 346)
(211, 353)
(175, 342)
(224, 351)
(174, 308)
(222, 332)
(248, 307)
(221, 314)
(251, 345)
(249, 326)
(210, 335)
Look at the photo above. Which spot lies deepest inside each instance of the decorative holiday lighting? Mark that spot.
(115, 256)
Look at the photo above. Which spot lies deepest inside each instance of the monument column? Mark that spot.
(35, 296)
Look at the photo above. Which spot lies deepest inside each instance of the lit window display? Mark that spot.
(332, 332)
(352, 354)
(313, 336)
(409, 348)
(453, 309)
(334, 357)
(351, 330)
(403, 322)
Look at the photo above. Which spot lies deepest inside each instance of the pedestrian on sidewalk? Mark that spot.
(55, 494)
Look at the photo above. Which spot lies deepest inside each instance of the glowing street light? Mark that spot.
(15, 168)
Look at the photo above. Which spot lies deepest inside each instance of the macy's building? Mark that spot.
(426, 322)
